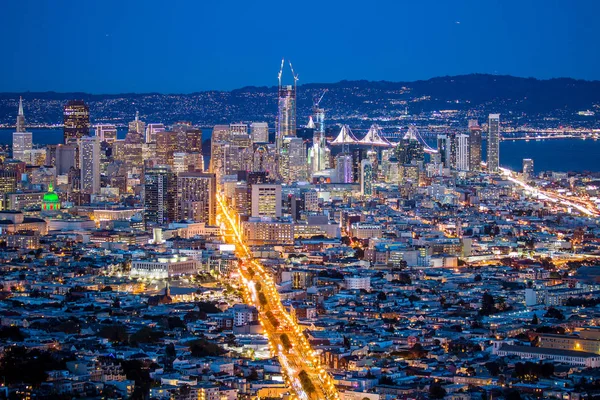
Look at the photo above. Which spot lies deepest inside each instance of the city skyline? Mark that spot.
(541, 39)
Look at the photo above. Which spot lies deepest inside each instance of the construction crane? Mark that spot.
(280, 72)
(294, 75)
(317, 101)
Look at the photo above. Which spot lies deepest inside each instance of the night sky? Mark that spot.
(106, 46)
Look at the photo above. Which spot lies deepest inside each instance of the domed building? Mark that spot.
(50, 202)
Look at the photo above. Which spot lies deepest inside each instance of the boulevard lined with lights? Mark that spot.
(586, 209)
(304, 374)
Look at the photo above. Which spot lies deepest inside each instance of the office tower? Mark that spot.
(184, 162)
(444, 150)
(65, 158)
(76, 116)
(136, 125)
(293, 166)
(343, 168)
(409, 150)
(311, 201)
(493, 143)
(160, 195)
(151, 130)
(22, 144)
(166, 146)
(366, 178)
(259, 132)
(474, 145)
(266, 200)
(237, 153)
(318, 153)
(242, 199)
(37, 157)
(22, 141)
(196, 195)
(51, 154)
(193, 140)
(8, 181)
(89, 163)
(462, 151)
(286, 110)
(132, 149)
(106, 133)
(219, 138)
(527, 169)
(238, 129)
(20, 125)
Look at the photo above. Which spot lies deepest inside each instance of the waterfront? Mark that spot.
(548, 155)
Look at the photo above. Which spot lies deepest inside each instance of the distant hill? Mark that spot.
(520, 100)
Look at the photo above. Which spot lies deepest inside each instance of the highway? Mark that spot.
(580, 205)
(304, 375)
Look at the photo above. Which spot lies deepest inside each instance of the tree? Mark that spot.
(253, 376)
(146, 335)
(203, 348)
(487, 304)
(535, 320)
(554, 313)
(20, 365)
(114, 333)
(436, 391)
(381, 296)
(493, 368)
(477, 278)
(386, 380)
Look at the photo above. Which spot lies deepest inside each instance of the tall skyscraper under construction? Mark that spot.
(286, 113)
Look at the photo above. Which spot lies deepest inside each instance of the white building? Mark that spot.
(357, 282)
(266, 200)
(106, 133)
(22, 145)
(151, 130)
(259, 132)
(89, 163)
(462, 152)
(164, 267)
(570, 357)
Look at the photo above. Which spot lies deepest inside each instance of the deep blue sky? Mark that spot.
(106, 46)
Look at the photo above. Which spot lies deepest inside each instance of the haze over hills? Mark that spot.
(359, 103)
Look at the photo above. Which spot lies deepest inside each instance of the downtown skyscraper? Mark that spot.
(160, 195)
(196, 196)
(474, 145)
(22, 140)
(76, 118)
(89, 164)
(493, 143)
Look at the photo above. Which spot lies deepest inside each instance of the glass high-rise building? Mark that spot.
(527, 169)
(259, 132)
(76, 117)
(286, 115)
(196, 195)
(462, 151)
(160, 195)
(474, 145)
(493, 143)
(89, 163)
(366, 178)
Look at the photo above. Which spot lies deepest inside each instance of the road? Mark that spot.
(581, 205)
(304, 375)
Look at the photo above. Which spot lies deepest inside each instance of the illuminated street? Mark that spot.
(580, 205)
(296, 356)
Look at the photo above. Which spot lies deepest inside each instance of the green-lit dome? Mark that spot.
(51, 197)
(50, 201)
